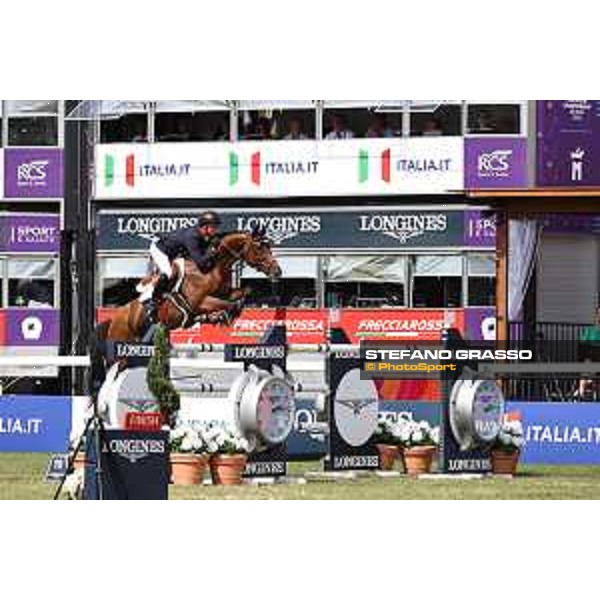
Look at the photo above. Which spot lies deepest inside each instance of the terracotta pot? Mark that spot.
(418, 460)
(387, 456)
(228, 469)
(187, 469)
(401, 458)
(505, 463)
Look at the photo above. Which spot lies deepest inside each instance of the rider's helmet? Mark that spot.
(209, 218)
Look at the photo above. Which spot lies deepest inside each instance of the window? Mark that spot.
(128, 128)
(119, 277)
(486, 119)
(365, 281)
(33, 131)
(32, 122)
(32, 282)
(437, 282)
(343, 122)
(276, 119)
(482, 280)
(431, 119)
(192, 126)
(297, 288)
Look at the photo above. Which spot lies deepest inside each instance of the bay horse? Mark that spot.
(193, 298)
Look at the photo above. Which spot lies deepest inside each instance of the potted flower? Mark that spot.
(386, 444)
(419, 441)
(229, 455)
(507, 448)
(188, 455)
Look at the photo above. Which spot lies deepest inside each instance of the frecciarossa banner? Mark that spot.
(310, 326)
(280, 168)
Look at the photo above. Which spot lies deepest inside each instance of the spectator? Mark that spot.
(295, 130)
(378, 127)
(432, 127)
(263, 129)
(339, 130)
(485, 123)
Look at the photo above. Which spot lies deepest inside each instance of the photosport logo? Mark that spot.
(364, 160)
(495, 164)
(32, 173)
(148, 170)
(577, 157)
(261, 169)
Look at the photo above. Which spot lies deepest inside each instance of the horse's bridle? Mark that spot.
(237, 257)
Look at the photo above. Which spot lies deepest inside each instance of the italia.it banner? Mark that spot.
(280, 168)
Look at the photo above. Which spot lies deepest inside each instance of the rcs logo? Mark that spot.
(32, 172)
(495, 164)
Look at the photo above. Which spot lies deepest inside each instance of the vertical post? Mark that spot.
(77, 256)
(502, 275)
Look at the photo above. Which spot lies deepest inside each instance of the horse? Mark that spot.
(194, 298)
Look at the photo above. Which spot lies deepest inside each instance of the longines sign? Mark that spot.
(300, 230)
(282, 168)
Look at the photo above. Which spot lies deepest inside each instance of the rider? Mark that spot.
(194, 243)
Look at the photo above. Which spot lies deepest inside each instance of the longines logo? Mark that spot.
(280, 228)
(150, 227)
(134, 449)
(403, 227)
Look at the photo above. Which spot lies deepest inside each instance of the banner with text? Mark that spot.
(35, 423)
(280, 168)
(559, 433)
(307, 229)
(568, 143)
(33, 173)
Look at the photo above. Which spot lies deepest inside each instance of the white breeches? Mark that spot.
(161, 260)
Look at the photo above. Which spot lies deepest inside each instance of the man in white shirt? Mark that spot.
(295, 130)
(339, 130)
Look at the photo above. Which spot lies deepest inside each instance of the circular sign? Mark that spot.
(266, 406)
(356, 408)
(275, 411)
(476, 412)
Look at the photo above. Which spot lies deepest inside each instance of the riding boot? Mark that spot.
(162, 285)
(151, 310)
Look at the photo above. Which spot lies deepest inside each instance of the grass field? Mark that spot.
(21, 478)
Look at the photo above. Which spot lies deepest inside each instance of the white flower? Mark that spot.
(417, 436)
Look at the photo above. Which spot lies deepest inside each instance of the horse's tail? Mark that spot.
(97, 350)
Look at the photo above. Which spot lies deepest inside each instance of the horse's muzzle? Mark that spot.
(275, 272)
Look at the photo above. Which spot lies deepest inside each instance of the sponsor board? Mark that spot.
(495, 162)
(134, 466)
(559, 433)
(35, 423)
(29, 233)
(279, 168)
(568, 143)
(399, 324)
(300, 229)
(29, 327)
(33, 173)
(310, 326)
